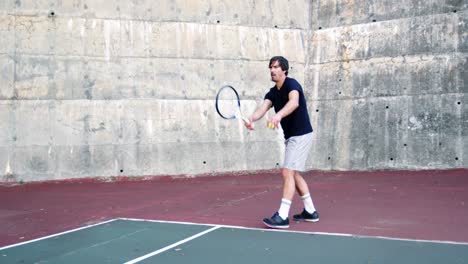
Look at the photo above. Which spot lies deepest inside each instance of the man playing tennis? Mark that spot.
(288, 100)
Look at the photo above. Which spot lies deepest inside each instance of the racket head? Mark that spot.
(228, 103)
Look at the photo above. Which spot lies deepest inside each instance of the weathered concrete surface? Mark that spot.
(101, 88)
(388, 84)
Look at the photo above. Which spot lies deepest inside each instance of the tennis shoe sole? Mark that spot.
(276, 226)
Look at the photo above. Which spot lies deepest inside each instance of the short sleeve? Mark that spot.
(294, 85)
(268, 96)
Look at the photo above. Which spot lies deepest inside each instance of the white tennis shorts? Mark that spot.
(297, 150)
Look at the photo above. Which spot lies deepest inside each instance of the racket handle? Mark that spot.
(245, 120)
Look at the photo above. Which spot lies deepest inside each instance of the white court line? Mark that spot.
(58, 234)
(171, 246)
(238, 227)
(303, 232)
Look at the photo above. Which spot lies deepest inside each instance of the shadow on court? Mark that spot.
(425, 205)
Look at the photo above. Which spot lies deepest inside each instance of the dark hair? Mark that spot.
(283, 62)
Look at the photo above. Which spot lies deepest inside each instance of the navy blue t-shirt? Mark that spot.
(297, 123)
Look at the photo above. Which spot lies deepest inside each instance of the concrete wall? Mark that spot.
(109, 88)
(389, 80)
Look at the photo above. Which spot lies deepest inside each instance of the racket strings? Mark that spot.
(228, 103)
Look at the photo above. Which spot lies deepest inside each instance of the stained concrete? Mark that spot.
(108, 88)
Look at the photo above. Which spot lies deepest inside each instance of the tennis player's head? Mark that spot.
(282, 62)
(279, 67)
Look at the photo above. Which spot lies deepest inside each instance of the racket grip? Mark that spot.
(245, 120)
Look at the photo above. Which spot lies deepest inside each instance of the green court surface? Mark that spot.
(138, 241)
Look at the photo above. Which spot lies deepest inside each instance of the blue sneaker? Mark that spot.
(306, 216)
(276, 221)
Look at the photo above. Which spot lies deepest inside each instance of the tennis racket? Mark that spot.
(228, 104)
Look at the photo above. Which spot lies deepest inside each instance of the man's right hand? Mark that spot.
(249, 125)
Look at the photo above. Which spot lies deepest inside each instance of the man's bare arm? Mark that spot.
(259, 113)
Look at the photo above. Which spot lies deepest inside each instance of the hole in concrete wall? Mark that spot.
(373, 20)
(456, 158)
(51, 13)
(454, 11)
(440, 143)
(339, 92)
(276, 26)
(339, 80)
(386, 107)
(405, 145)
(320, 27)
(121, 171)
(458, 102)
(316, 110)
(391, 159)
(329, 158)
(204, 162)
(217, 21)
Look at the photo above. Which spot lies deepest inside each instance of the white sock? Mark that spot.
(308, 204)
(284, 208)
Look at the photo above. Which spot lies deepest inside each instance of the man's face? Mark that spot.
(276, 72)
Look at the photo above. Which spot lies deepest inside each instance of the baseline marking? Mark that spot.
(171, 246)
(303, 232)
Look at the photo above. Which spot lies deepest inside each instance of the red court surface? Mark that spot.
(427, 205)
